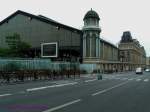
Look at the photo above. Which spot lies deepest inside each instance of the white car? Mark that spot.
(147, 70)
(139, 70)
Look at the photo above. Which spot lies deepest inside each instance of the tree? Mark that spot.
(13, 40)
(4, 52)
(16, 46)
(23, 47)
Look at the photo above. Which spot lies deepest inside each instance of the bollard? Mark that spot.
(99, 77)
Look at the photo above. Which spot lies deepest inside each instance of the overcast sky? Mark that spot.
(116, 15)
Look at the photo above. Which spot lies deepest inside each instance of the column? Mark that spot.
(90, 46)
(84, 46)
(97, 47)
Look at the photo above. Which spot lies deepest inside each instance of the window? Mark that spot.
(49, 49)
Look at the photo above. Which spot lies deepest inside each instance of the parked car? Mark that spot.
(147, 70)
(139, 70)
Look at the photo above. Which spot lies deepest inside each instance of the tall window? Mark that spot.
(93, 49)
(88, 46)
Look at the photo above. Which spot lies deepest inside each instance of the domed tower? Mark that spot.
(91, 32)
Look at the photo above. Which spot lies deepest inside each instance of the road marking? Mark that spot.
(60, 82)
(90, 80)
(5, 95)
(62, 106)
(112, 77)
(124, 78)
(21, 92)
(77, 79)
(146, 80)
(138, 79)
(117, 78)
(86, 76)
(45, 87)
(108, 89)
(130, 79)
(109, 78)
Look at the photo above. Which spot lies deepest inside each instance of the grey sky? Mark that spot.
(116, 15)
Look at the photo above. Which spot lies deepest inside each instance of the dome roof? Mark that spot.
(91, 14)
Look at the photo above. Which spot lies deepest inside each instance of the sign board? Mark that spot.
(49, 49)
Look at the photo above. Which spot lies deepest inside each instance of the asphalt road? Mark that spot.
(121, 92)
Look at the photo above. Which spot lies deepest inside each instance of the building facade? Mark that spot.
(36, 30)
(85, 46)
(91, 40)
(132, 54)
(148, 62)
(95, 49)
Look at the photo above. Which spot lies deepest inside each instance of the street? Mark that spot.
(117, 92)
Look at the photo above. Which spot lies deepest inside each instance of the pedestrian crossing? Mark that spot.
(146, 80)
(138, 80)
(135, 78)
(129, 79)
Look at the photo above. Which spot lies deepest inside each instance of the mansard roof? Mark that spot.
(126, 37)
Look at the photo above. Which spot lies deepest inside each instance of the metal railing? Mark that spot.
(16, 70)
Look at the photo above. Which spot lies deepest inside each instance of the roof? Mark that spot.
(126, 37)
(108, 43)
(40, 18)
(91, 14)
